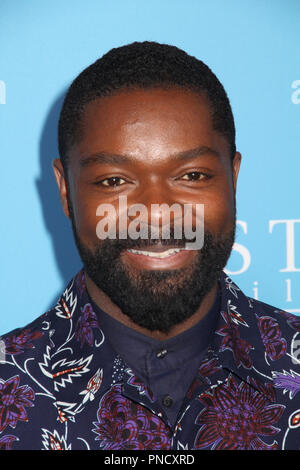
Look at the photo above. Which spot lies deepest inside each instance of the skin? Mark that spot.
(150, 129)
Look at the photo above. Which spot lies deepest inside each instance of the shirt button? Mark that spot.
(161, 353)
(167, 401)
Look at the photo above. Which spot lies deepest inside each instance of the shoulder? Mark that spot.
(26, 351)
(31, 339)
(26, 338)
(280, 334)
(272, 333)
(287, 321)
(256, 311)
(23, 348)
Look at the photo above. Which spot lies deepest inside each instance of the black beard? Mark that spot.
(155, 300)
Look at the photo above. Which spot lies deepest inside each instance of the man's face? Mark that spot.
(152, 146)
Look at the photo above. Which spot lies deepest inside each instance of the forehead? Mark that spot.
(148, 124)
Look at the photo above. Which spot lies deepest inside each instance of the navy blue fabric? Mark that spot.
(63, 385)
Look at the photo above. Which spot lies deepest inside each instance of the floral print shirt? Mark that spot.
(167, 367)
(62, 386)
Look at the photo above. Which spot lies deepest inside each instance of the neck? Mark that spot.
(105, 303)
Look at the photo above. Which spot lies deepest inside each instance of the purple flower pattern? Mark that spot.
(290, 382)
(232, 341)
(13, 400)
(7, 441)
(16, 344)
(126, 425)
(235, 417)
(275, 345)
(84, 327)
(207, 368)
(292, 321)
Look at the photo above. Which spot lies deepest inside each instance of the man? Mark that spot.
(151, 345)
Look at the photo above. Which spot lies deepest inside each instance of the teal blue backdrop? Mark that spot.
(254, 48)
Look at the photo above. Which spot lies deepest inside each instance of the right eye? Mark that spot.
(111, 182)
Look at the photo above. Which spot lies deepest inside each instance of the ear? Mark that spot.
(62, 185)
(235, 168)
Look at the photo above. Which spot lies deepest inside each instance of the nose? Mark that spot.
(157, 208)
(154, 190)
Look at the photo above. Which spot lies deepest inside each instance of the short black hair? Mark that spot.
(142, 65)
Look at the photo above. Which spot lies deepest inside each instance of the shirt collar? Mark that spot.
(134, 346)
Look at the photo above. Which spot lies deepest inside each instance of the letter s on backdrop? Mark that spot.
(242, 250)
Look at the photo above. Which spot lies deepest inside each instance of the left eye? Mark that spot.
(193, 176)
(113, 181)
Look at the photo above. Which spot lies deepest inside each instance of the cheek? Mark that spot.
(85, 209)
(219, 213)
(93, 218)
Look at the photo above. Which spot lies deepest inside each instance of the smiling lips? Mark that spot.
(157, 254)
(159, 257)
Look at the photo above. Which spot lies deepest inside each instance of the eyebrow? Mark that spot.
(112, 158)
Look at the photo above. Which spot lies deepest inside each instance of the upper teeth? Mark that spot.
(163, 254)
